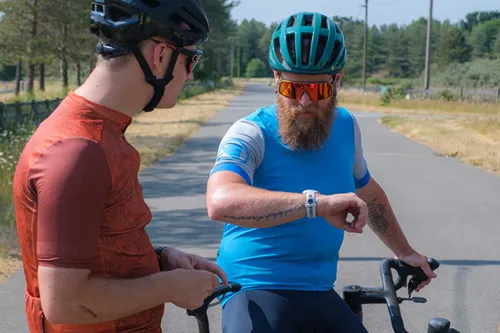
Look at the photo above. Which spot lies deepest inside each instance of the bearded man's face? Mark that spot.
(305, 124)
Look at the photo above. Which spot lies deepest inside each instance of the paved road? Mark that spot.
(447, 209)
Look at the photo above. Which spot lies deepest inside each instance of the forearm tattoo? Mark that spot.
(378, 216)
(268, 216)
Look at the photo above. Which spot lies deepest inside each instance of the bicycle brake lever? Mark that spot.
(412, 285)
(416, 280)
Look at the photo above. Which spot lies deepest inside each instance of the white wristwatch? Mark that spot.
(310, 203)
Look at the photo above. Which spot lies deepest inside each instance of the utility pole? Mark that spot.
(428, 51)
(238, 57)
(232, 57)
(365, 44)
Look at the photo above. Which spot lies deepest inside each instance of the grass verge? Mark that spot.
(475, 141)
(357, 100)
(155, 135)
(158, 134)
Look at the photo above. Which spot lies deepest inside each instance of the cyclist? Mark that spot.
(88, 261)
(277, 181)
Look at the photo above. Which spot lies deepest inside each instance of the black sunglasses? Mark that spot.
(192, 55)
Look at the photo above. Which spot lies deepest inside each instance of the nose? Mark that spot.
(305, 100)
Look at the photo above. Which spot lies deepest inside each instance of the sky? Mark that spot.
(379, 11)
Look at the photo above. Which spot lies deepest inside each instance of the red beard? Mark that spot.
(305, 127)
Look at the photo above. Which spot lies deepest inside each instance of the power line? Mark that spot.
(355, 17)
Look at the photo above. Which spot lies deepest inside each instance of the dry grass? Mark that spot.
(369, 101)
(159, 133)
(53, 90)
(475, 141)
(10, 258)
(255, 79)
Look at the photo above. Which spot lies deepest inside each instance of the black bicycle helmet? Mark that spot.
(125, 23)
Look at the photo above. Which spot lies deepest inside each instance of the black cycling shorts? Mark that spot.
(289, 311)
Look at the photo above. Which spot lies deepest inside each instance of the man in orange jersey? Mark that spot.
(81, 216)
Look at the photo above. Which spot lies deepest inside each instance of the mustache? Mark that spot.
(304, 109)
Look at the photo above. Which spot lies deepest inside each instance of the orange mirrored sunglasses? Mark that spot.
(316, 90)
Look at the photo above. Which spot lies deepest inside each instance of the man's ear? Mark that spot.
(161, 56)
(337, 79)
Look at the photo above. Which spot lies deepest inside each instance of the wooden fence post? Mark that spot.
(2, 114)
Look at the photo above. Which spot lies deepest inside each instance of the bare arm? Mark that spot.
(230, 199)
(382, 220)
(68, 295)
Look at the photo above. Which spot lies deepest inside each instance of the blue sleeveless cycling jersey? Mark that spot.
(300, 255)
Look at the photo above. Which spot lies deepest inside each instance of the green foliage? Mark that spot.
(47, 32)
(475, 74)
(446, 95)
(7, 73)
(12, 141)
(256, 68)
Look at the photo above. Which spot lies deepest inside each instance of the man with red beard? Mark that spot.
(284, 180)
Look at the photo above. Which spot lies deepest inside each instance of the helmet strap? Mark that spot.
(157, 84)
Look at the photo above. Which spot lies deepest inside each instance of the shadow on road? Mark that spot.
(183, 174)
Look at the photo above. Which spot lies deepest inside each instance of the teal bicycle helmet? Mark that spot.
(307, 43)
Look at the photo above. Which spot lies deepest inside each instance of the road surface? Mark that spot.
(447, 209)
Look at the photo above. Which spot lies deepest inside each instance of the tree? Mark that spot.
(483, 37)
(20, 39)
(453, 47)
(256, 68)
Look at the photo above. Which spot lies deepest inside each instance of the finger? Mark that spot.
(214, 268)
(184, 263)
(423, 284)
(362, 215)
(427, 270)
(353, 229)
(359, 224)
(215, 282)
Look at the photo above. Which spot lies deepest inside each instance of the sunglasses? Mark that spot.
(316, 90)
(192, 55)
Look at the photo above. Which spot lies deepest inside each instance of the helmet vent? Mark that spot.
(321, 48)
(291, 22)
(176, 18)
(278, 49)
(307, 20)
(324, 23)
(337, 29)
(97, 8)
(117, 14)
(306, 48)
(151, 3)
(290, 42)
(335, 53)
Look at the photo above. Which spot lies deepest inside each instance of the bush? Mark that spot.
(474, 74)
(12, 142)
(256, 68)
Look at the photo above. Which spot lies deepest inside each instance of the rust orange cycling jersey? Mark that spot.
(79, 204)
